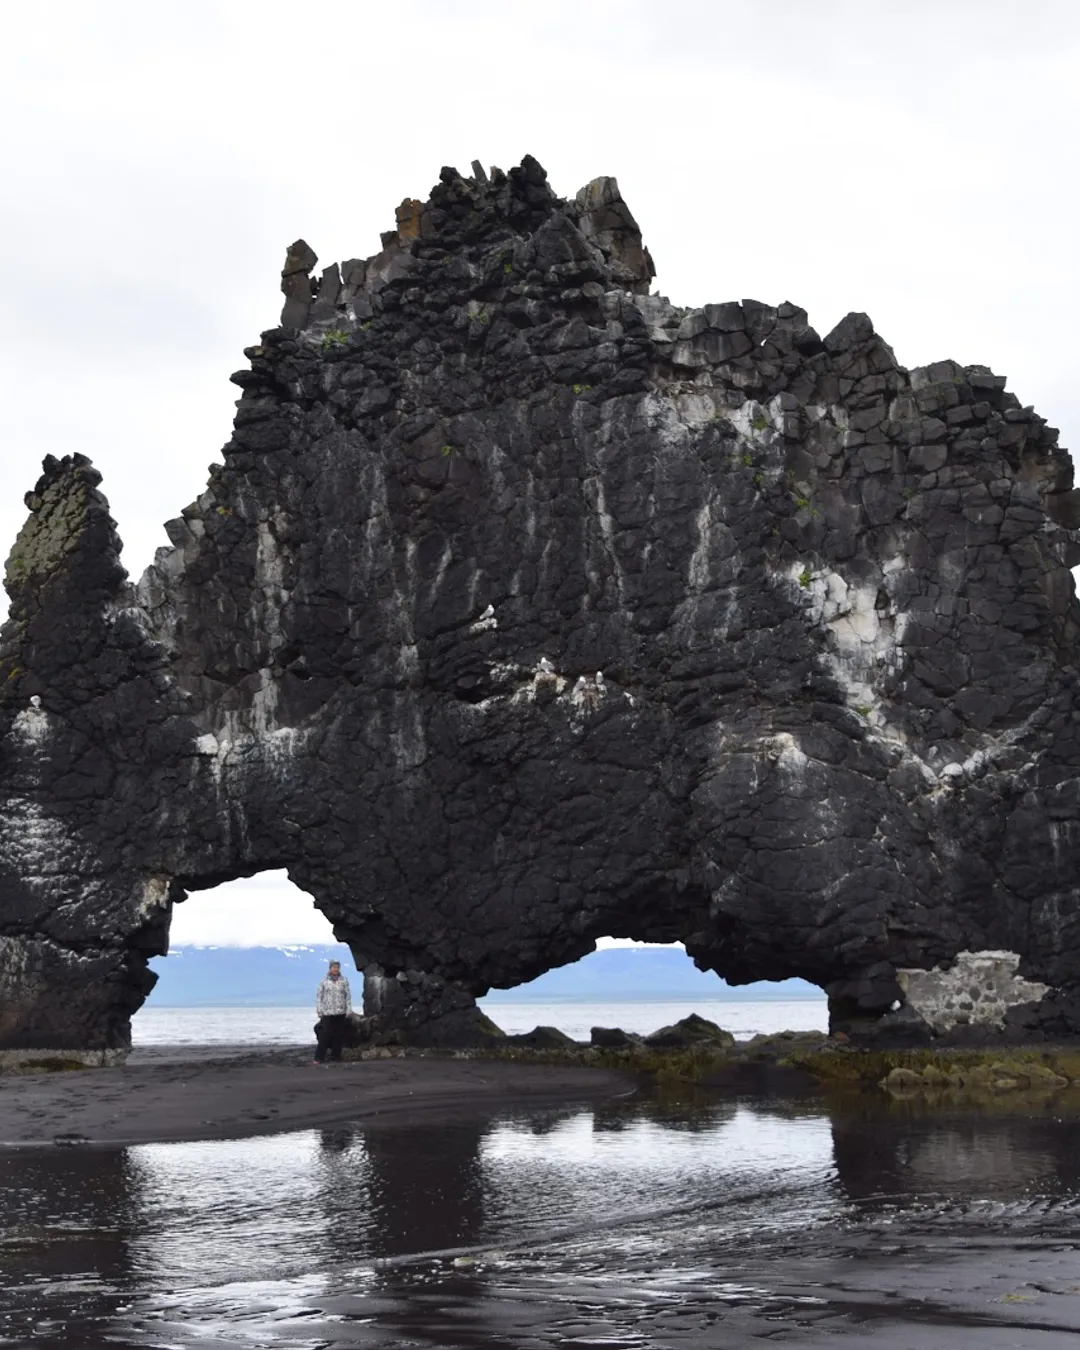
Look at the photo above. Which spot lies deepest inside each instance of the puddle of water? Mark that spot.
(628, 1225)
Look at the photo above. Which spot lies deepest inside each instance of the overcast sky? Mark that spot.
(913, 160)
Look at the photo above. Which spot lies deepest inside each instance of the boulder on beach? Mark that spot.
(544, 1038)
(780, 1044)
(688, 1032)
(613, 1038)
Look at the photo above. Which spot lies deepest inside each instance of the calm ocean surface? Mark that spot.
(293, 1026)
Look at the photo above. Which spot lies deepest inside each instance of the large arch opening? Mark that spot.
(245, 958)
(642, 986)
(244, 961)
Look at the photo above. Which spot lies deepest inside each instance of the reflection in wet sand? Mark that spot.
(631, 1225)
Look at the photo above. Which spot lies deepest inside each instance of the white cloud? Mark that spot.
(604, 943)
(914, 160)
(262, 911)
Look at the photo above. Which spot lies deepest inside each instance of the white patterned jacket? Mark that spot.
(333, 998)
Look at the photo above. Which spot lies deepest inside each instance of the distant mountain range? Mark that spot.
(286, 977)
(247, 977)
(632, 974)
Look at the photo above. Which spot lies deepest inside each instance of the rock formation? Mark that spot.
(527, 607)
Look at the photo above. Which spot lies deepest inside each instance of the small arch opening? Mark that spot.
(245, 959)
(640, 987)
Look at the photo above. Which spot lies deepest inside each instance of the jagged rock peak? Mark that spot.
(487, 223)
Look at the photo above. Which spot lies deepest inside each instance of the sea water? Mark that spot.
(293, 1026)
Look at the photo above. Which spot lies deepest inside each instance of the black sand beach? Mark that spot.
(165, 1094)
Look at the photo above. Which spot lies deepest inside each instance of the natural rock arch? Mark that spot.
(527, 607)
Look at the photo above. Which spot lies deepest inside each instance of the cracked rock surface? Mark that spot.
(528, 608)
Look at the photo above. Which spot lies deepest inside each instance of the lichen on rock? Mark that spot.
(528, 607)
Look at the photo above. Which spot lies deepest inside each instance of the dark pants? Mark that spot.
(330, 1034)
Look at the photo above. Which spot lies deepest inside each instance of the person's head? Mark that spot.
(335, 970)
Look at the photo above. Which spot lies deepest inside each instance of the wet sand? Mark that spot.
(170, 1094)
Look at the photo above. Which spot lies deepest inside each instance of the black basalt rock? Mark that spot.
(528, 608)
(688, 1032)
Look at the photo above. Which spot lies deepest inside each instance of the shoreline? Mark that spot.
(187, 1094)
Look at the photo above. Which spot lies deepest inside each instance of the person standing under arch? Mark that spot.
(333, 1004)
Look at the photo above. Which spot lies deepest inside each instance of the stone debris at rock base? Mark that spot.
(528, 607)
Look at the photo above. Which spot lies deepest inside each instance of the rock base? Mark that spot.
(22, 1061)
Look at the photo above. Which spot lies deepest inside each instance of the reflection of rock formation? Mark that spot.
(527, 607)
(894, 1153)
(677, 1115)
(422, 1192)
(425, 1190)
